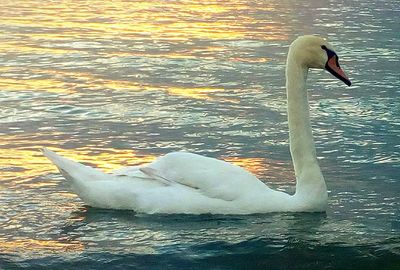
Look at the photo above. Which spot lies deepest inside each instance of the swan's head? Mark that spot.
(316, 52)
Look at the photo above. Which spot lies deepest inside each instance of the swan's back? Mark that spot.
(216, 178)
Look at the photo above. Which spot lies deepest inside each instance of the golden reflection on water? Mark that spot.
(262, 166)
(197, 93)
(47, 85)
(63, 28)
(27, 162)
(19, 48)
(86, 80)
(200, 52)
(171, 20)
(37, 245)
(253, 165)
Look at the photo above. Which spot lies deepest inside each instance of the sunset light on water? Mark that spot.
(120, 83)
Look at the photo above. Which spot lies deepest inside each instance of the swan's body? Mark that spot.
(192, 184)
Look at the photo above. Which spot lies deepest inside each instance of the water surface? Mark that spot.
(116, 83)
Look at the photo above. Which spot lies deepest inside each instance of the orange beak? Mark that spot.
(334, 68)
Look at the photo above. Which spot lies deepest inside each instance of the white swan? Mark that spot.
(188, 183)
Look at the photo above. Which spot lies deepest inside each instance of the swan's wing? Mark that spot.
(177, 174)
(125, 171)
(211, 177)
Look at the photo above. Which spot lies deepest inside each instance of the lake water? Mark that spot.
(116, 83)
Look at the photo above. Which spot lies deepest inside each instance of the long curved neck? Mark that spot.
(310, 185)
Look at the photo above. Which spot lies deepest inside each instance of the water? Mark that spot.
(118, 83)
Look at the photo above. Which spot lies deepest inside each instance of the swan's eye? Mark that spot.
(328, 51)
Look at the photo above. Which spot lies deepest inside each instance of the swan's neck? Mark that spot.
(310, 184)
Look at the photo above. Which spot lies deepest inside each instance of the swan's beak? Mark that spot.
(334, 68)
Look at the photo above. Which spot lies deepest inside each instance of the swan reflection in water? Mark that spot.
(97, 228)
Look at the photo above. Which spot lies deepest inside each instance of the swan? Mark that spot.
(187, 183)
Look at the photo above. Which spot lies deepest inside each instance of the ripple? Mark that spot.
(118, 83)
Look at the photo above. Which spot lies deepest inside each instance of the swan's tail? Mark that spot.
(94, 187)
(74, 171)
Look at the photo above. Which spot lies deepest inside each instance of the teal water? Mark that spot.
(118, 83)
